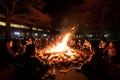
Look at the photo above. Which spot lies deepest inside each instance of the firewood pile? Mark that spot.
(63, 61)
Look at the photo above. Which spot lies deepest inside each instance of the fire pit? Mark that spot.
(60, 56)
(63, 62)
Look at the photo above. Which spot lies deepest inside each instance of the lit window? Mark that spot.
(45, 35)
(16, 33)
(2, 23)
(36, 34)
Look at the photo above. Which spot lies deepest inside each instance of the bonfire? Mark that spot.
(61, 56)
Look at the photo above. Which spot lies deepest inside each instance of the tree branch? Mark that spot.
(13, 6)
(5, 6)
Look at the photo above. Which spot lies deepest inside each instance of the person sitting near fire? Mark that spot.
(19, 47)
(79, 44)
(9, 54)
(46, 42)
(29, 41)
(111, 51)
(38, 43)
(102, 45)
(72, 43)
(87, 46)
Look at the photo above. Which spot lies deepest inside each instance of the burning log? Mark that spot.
(75, 58)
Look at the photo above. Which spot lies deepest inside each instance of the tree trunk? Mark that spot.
(30, 31)
(7, 30)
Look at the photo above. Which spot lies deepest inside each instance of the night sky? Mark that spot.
(57, 5)
(89, 14)
(70, 12)
(62, 11)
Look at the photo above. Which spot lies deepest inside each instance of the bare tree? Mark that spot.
(99, 10)
(94, 14)
(27, 12)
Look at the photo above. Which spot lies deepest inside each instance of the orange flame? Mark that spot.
(62, 46)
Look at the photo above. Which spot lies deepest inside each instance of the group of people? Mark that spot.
(18, 52)
(81, 45)
(13, 49)
(108, 50)
(21, 55)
